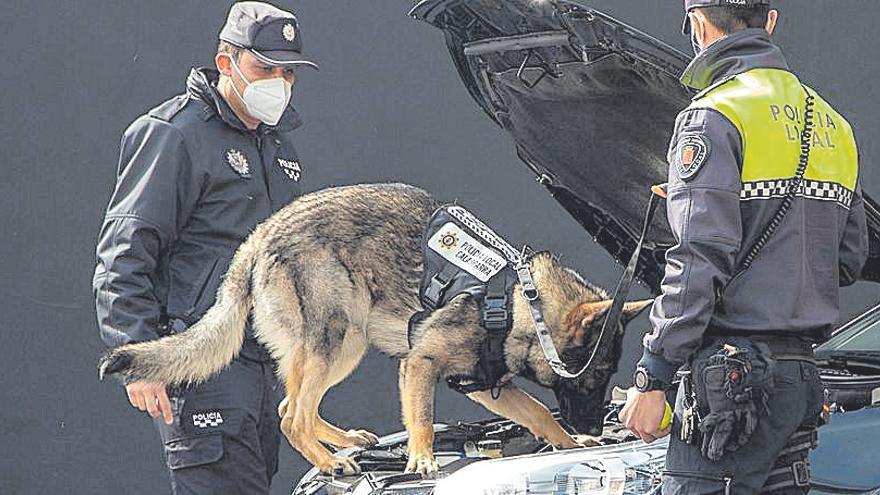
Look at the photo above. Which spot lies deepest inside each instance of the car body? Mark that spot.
(573, 86)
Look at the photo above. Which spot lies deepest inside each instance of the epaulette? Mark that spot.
(713, 87)
(168, 110)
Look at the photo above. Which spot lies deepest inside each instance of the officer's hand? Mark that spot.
(150, 397)
(643, 414)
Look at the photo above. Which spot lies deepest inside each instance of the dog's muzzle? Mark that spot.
(582, 410)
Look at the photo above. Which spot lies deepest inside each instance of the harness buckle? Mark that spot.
(801, 472)
(495, 314)
(434, 291)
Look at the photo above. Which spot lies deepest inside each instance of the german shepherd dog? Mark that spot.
(337, 271)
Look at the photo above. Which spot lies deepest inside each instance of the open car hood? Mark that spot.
(591, 104)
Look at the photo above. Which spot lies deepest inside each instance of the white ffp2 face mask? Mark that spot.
(265, 99)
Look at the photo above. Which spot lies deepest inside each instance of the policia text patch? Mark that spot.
(465, 252)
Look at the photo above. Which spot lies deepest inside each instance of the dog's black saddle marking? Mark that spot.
(442, 281)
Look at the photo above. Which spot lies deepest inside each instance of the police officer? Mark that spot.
(195, 175)
(734, 152)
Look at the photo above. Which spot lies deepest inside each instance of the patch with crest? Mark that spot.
(289, 32)
(238, 162)
(691, 154)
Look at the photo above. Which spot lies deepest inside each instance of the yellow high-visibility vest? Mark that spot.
(767, 107)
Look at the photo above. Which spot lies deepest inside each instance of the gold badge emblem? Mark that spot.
(448, 241)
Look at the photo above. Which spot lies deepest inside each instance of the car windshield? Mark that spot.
(862, 335)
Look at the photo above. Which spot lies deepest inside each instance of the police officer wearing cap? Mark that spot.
(747, 290)
(196, 174)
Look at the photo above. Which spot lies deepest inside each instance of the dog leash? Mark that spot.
(521, 264)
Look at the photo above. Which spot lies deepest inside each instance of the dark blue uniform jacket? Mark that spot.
(192, 183)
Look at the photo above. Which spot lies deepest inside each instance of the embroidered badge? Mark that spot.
(289, 32)
(692, 153)
(291, 168)
(207, 419)
(238, 162)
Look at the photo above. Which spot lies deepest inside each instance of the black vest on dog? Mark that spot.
(458, 260)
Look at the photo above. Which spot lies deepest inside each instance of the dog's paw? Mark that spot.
(340, 466)
(361, 438)
(587, 441)
(423, 464)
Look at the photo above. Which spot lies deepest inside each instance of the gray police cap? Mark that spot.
(693, 4)
(271, 34)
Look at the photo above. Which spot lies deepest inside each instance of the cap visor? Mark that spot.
(283, 57)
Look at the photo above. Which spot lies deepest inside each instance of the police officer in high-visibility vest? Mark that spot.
(764, 202)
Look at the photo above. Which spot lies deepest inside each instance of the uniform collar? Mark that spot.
(202, 84)
(731, 55)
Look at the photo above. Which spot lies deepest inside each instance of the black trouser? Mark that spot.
(776, 449)
(225, 435)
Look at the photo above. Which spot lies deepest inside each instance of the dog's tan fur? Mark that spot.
(338, 271)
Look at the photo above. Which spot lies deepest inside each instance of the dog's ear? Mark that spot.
(582, 317)
(632, 309)
(588, 315)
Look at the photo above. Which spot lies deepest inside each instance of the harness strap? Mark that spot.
(491, 365)
(437, 286)
(431, 299)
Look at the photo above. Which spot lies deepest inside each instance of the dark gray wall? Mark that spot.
(387, 105)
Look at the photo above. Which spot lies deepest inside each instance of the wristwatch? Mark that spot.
(645, 382)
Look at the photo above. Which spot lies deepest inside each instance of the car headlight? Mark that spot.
(614, 470)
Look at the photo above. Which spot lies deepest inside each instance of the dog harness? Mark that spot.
(458, 259)
(463, 255)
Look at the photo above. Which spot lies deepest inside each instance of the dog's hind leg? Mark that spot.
(349, 355)
(515, 404)
(300, 421)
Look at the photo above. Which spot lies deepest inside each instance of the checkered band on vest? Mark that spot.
(813, 189)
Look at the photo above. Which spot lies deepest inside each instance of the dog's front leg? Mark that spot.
(520, 407)
(418, 376)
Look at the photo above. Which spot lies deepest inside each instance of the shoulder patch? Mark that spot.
(690, 154)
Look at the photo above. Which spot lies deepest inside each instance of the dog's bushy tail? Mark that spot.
(205, 348)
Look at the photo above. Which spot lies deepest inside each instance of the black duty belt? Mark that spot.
(784, 347)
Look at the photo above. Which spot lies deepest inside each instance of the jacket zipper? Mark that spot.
(265, 169)
(686, 474)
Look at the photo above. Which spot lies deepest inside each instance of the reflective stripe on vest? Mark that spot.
(767, 107)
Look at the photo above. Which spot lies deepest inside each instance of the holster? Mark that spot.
(732, 385)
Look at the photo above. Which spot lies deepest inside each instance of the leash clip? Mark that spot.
(524, 273)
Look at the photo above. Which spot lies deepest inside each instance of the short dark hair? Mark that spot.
(230, 49)
(730, 19)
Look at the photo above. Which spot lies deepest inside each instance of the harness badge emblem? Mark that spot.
(289, 32)
(449, 240)
(238, 162)
(290, 168)
(691, 155)
(207, 419)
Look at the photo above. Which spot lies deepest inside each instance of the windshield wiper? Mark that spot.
(846, 359)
